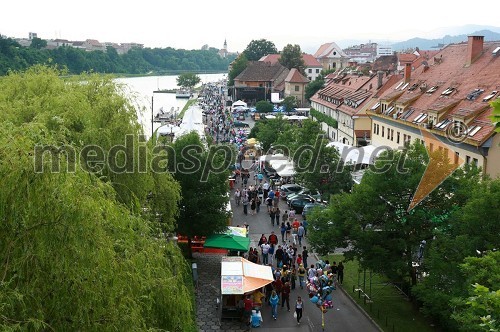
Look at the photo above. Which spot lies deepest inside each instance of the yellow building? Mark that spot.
(448, 96)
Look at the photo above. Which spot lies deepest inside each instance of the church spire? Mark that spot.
(225, 44)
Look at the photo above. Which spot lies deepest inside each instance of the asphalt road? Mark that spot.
(344, 316)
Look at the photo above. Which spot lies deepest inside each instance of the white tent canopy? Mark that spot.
(239, 103)
(286, 171)
(239, 276)
(362, 155)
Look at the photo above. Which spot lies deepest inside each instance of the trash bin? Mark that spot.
(194, 266)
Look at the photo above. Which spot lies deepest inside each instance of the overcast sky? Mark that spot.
(190, 24)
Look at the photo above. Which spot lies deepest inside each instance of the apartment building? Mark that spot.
(448, 96)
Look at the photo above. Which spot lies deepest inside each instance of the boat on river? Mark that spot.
(181, 93)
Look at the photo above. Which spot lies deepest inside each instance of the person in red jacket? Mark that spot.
(273, 239)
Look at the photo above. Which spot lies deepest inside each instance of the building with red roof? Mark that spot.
(295, 86)
(312, 67)
(449, 96)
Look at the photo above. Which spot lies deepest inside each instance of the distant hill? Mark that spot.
(429, 44)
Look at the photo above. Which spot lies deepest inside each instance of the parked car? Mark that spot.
(309, 207)
(298, 204)
(314, 193)
(301, 196)
(238, 123)
(287, 189)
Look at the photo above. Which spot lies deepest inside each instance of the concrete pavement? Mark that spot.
(345, 316)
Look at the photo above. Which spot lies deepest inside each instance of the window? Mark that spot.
(310, 78)
(474, 161)
(398, 137)
(404, 138)
(392, 134)
(383, 128)
(374, 128)
(317, 71)
(310, 71)
(409, 139)
(467, 159)
(297, 88)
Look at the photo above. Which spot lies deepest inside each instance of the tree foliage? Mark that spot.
(135, 61)
(256, 49)
(188, 80)
(264, 106)
(480, 310)
(81, 242)
(386, 237)
(495, 118)
(289, 103)
(237, 67)
(469, 230)
(203, 177)
(291, 57)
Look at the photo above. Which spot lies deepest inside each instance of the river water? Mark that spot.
(141, 90)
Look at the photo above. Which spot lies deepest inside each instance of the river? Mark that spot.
(141, 90)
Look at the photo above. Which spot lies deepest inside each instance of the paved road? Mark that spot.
(345, 316)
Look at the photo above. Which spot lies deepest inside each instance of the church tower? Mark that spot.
(225, 44)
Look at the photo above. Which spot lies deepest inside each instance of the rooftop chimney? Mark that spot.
(380, 75)
(407, 72)
(474, 49)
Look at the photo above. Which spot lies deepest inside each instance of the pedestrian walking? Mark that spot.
(340, 273)
(300, 233)
(237, 197)
(285, 295)
(301, 272)
(305, 255)
(253, 206)
(274, 300)
(245, 204)
(283, 231)
(272, 214)
(299, 307)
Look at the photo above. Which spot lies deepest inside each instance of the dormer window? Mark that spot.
(490, 96)
(447, 92)
(474, 94)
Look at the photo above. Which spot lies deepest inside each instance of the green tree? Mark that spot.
(80, 251)
(237, 67)
(188, 80)
(479, 311)
(495, 118)
(264, 106)
(38, 43)
(289, 103)
(269, 131)
(203, 177)
(468, 230)
(291, 57)
(386, 237)
(256, 49)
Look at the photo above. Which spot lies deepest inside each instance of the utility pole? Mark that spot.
(152, 115)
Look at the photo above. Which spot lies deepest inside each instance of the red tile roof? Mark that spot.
(447, 69)
(406, 58)
(294, 76)
(310, 61)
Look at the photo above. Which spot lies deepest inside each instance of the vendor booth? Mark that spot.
(238, 278)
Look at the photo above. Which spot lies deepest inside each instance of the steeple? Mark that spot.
(225, 44)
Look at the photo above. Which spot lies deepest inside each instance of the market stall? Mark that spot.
(239, 277)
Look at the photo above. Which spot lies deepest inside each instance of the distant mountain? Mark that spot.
(429, 44)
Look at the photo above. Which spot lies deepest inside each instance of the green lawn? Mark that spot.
(391, 310)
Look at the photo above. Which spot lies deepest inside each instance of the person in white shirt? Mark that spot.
(265, 253)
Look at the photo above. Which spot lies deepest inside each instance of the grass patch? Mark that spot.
(389, 308)
(189, 103)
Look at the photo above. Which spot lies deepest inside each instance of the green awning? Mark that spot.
(230, 242)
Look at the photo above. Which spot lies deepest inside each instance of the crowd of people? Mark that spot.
(281, 250)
